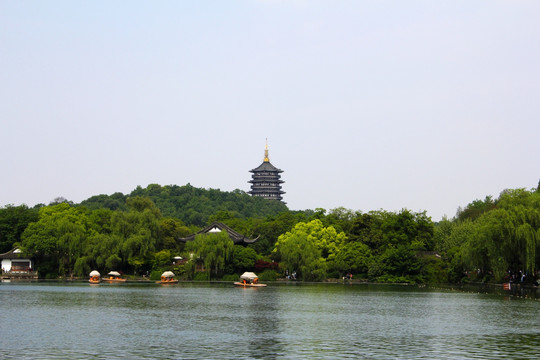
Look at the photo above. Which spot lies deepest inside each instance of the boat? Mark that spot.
(167, 278)
(249, 279)
(114, 277)
(95, 277)
(242, 284)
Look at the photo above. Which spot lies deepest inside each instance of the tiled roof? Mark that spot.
(236, 237)
(266, 166)
(13, 254)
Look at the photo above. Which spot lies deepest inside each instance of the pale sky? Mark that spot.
(367, 105)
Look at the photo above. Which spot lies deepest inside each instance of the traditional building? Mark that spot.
(15, 265)
(266, 180)
(217, 227)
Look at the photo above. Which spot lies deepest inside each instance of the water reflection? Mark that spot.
(261, 323)
(285, 321)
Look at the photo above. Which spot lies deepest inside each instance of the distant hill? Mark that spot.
(190, 204)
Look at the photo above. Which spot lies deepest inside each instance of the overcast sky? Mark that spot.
(367, 105)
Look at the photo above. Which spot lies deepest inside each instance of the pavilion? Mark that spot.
(217, 227)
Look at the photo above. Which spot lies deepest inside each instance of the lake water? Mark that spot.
(218, 321)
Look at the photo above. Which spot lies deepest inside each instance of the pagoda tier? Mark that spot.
(266, 180)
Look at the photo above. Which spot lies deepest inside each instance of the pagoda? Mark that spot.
(266, 180)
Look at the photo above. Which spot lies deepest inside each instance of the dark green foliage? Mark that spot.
(354, 257)
(243, 259)
(201, 276)
(269, 229)
(195, 205)
(268, 275)
(433, 269)
(230, 277)
(13, 222)
(501, 238)
(400, 261)
(116, 201)
(191, 205)
(476, 208)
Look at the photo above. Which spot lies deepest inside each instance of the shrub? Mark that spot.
(261, 265)
(230, 277)
(268, 275)
(201, 276)
(396, 279)
(156, 275)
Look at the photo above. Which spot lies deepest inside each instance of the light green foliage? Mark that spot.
(162, 258)
(214, 249)
(451, 239)
(307, 248)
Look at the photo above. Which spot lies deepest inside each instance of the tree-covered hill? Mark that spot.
(194, 206)
(491, 240)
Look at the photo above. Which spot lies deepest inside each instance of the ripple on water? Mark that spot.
(285, 322)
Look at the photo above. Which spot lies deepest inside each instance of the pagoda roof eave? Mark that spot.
(266, 166)
(236, 237)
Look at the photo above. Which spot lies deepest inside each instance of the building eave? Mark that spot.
(235, 236)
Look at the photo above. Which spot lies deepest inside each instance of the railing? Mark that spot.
(19, 274)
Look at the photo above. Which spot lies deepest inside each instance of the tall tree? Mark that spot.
(215, 250)
(13, 222)
(59, 233)
(308, 247)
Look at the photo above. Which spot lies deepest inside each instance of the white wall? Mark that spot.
(6, 263)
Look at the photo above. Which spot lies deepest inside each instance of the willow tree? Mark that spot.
(57, 239)
(213, 249)
(451, 242)
(137, 232)
(508, 237)
(522, 227)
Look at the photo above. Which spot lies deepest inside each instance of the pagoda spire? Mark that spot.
(266, 158)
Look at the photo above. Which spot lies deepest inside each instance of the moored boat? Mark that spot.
(95, 277)
(167, 278)
(249, 279)
(114, 277)
(242, 284)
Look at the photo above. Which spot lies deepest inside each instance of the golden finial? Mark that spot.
(266, 159)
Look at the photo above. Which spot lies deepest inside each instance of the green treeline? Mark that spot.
(137, 234)
(191, 205)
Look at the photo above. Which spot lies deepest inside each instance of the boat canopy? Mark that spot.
(167, 274)
(114, 273)
(248, 276)
(95, 273)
